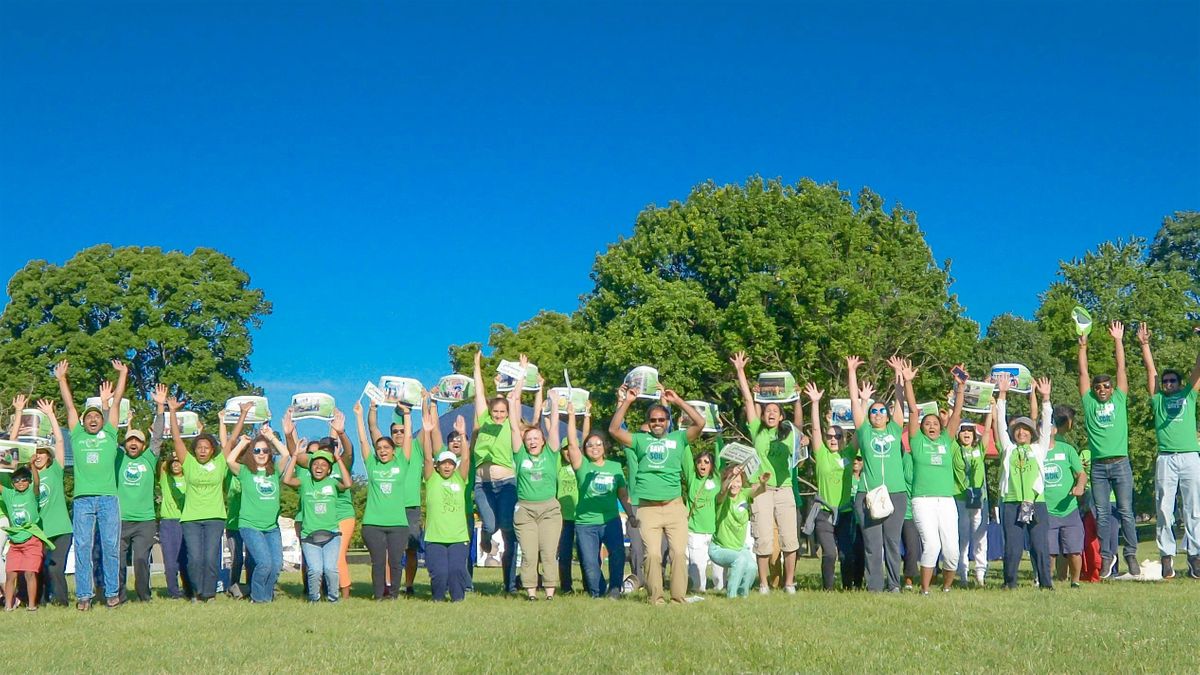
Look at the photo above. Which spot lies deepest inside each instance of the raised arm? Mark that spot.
(694, 431)
(337, 427)
(515, 425)
(114, 413)
(1085, 380)
(956, 410)
(347, 481)
(14, 427)
(739, 361)
(1117, 330)
(480, 392)
(243, 411)
(898, 381)
(406, 437)
(428, 451)
(587, 418)
(856, 406)
(538, 400)
(372, 421)
(573, 454)
(1046, 426)
(289, 475)
(158, 426)
(364, 446)
(625, 398)
(234, 451)
(1194, 376)
(60, 445)
(64, 390)
(914, 424)
(1143, 336)
(181, 453)
(1000, 419)
(798, 411)
(464, 462)
(289, 431)
(553, 436)
(433, 422)
(814, 411)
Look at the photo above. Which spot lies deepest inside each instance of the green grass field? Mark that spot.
(1109, 627)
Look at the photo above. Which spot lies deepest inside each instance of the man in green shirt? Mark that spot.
(1177, 468)
(1106, 420)
(135, 494)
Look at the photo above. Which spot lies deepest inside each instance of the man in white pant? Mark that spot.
(971, 499)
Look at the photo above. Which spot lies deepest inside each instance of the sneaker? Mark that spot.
(531, 598)
(763, 589)
(1107, 567)
(1131, 562)
(1074, 584)
(1194, 566)
(1168, 567)
(409, 592)
(925, 593)
(790, 589)
(908, 587)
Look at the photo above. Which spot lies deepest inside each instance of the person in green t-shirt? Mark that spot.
(411, 489)
(834, 526)
(538, 519)
(1177, 467)
(252, 464)
(568, 499)
(728, 548)
(446, 531)
(703, 485)
(774, 440)
(1106, 420)
(970, 476)
(879, 443)
(662, 460)
(26, 541)
(319, 533)
(52, 503)
(94, 507)
(135, 493)
(385, 521)
(1065, 481)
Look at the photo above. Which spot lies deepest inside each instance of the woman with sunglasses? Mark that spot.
(385, 521)
(970, 476)
(252, 464)
(702, 489)
(1022, 489)
(879, 442)
(835, 528)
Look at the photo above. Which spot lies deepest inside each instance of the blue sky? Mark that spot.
(324, 145)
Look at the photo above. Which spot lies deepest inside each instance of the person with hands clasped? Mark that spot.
(252, 463)
(320, 491)
(385, 521)
(446, 517)
(728, 548)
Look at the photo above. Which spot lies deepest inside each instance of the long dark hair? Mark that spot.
(246, 459)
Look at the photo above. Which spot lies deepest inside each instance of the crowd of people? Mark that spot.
(902, 501)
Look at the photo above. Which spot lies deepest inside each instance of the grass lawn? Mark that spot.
(1108, 627)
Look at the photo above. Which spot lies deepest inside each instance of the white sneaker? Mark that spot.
(763, 589)
(790, 589)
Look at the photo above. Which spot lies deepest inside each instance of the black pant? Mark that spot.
(137, 538)
(1014, 543)
(447, 565)
(386, 546)
(912, 549)
(839, 542)
(54, 572)
(881, 542)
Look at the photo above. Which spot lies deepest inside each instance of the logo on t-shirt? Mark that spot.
(1175, 407)
(882, 445)
(1105, 414)
(656, 453)
(92, 458)
(1052, 474)
(20, 517)
(602, 484)
(43, 495)
(133, 473)
(264, 486)
(385, 488)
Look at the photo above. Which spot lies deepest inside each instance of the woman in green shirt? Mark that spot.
(319, 533)
(1023, 511)
(702, 489)
(835, 528)
(26, 541)
(728, 548)
(538, 519)
(52, 502)
(385, 521)
(970, 475)
(446, 532)
(252, 463)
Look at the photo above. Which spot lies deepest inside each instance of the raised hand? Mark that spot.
(46, 406)
(19, 403)
(866, 391)
(160, 394)
(669, 396)
(358, 409)
(1043, 386)
(570, 407)
(289, 427)
(1117, 330)
(896, 364)
(1003, 383)
(119, 366)
(106, 393)
(460, 425)
(739, 361)
(245, 407)
(374, 407)
(954, 374)
(813, 393)
(267, 431)
(60, 370)
(1143, 333)
(338, 423)
(907, 371)
(853, 362)
(174, 404)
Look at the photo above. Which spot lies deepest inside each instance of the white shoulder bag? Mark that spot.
(878, 499)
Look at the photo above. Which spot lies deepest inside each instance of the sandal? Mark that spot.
(83, 605)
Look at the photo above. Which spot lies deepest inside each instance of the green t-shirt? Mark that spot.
(385, 492)
(732, 516)
(661, 463)
(318, 503)
(493, 442)
(135, 486)
(568, 489)
(172, 488)
(22, 510)
(1058, 476)
(931, 464)
(835, 477)
(413, 474)
(537, 475)
(969, 469)
(1175, 420)
(773, 454)
(1107, 425)
(446, 509)
(881, 452)
(345, 498)
(1023, 474)
(205, 498)
(598, 486)
(52, 501)
(95, 460)
(259, 497)
(702, 501)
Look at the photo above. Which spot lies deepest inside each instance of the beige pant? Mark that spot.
(774, 508)
(538, 526)
(654, 520)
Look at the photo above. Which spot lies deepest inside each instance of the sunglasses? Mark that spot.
(1170, 380)
(878, 411)
(659, 419)
(836, 437)
(262, 451)
(22, 479)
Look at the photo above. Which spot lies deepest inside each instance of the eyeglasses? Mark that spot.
(594, 444)
(262, 451)
(661, 420)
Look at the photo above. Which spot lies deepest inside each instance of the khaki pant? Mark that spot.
(654, 520)
(775, 507)
(538, 526)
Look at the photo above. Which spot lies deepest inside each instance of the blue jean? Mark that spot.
(322, 560)
(266, 548)
(91, 515)
(1115, 477)
(497, 502)
(590, 537)
(447, 565)
(743, 569)
(240, 557)
(1177, 472)
(170, 539)
(203, 541)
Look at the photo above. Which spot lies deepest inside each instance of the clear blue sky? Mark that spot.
(374, 165)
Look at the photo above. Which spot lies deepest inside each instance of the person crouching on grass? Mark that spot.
(27, 542)
(728, 548)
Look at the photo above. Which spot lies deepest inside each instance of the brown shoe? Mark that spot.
(1168, 567)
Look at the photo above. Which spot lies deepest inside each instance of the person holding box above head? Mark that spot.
(251, 462)
(662, 461)
(385, 521)
(773, 439)
(135, 494)
(95, 507)
(413, 478)
(1177, 468)
(1105, 417)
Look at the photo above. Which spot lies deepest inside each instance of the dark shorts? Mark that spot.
(414, 527)
(1066, 535)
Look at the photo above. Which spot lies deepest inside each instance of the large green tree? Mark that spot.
(1177, 247)
(177, 318)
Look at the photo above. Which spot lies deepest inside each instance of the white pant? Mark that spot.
(936, 519)
(972, 529)
(698, 562)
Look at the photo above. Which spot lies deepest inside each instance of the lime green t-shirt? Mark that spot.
(835, 477)
(568, 489)
(318, 502)
(969, 469)
(537, 475)
(1023, 474)
(598, 485)
(22, 510)
(95, 461)
(52, 501)
(931, 464)
(881, 452)
(773, 454)
(732, 516)
(1058, 476)
(661, 463)
(702, 501)
(205, 498)
(413, 474)
(345, 498)
(259, 498)
(1107, 425)
(172, 489)
(1175, 421)
(135, 486)
(385, 492)
(446, 509)
(493, 442)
